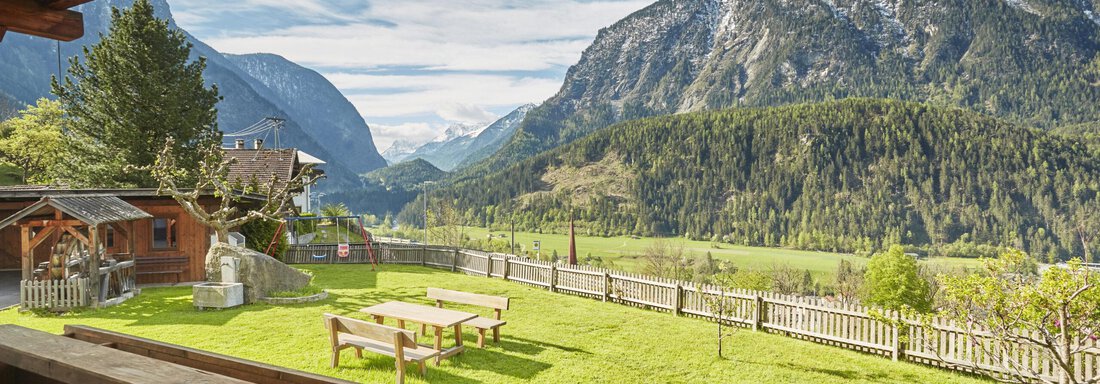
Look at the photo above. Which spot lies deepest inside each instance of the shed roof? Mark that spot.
(89, 209)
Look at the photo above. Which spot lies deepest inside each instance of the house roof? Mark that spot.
(89, 209)
(34, 192)
(262, 165)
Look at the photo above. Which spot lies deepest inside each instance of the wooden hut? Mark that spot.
(79, 271)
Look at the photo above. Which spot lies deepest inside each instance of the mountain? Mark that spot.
(463, 144)
(845, 175)
(399, 151)
(408, 175)
(1032, 62)
(314, 102)
(494, 136)
(387, 190)
(26, 64)
(451, 147)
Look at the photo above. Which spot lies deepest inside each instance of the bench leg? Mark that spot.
(496, 334)
(400, 371)
(335, 357)
(481, 337)
(358, 353)
(423, 368)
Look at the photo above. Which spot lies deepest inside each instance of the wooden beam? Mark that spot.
(120, 230)
(41, 236)
(62, 4)
(54, 223)
(32, 18)
(78, 235)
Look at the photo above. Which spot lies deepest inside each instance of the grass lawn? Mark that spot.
(624, 251)
(550, 338)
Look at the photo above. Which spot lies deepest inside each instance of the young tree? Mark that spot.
(445, 224)
(335, 210)
(664, 259)
(849, 282)
(1008, 311)
(212, 176)
(893, 281)
(34, 141)
(136, 88)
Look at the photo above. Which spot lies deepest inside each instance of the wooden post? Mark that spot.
(489, 266)
(758, 308)
(424, 255)
(454, 262)
(553, 276)
(606, 286)
(27, 252)
(505, 271)
(93, 261)
(678, 301)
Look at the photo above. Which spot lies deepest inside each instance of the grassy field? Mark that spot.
(624, 252)
(550, 338)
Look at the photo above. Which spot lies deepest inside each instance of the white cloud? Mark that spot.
(413, 66)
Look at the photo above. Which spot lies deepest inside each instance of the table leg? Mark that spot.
(378, 319)
(401, 324)
(438, 343)
(458, 335)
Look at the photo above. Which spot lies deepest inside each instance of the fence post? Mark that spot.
(489, 265)
(504, 275)
(424, 255)
(678, 302)
(454, 263)
(553, 276)
(758, 308)
(895, 333)
(606, 286)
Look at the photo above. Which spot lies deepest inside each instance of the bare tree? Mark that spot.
(212, 176)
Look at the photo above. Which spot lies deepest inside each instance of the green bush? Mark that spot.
(258, 236)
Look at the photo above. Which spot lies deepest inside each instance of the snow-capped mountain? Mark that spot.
(399, 151)
(461, 143)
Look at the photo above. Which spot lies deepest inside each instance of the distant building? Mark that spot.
(269, 165)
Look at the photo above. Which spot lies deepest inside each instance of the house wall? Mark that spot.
(193, 240)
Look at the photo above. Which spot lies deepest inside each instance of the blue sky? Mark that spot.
(413, 67)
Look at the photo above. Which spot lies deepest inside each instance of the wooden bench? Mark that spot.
(482, 324)
(401, 344)
(176, 265)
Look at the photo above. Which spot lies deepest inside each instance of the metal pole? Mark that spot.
(513, 235)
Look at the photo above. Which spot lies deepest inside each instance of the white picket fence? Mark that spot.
(849, 326)
(54, 294)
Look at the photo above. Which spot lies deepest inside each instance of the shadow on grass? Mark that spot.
(375, 362)
(534, 347)
(501, 363)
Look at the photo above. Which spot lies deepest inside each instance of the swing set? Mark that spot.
(343, 246)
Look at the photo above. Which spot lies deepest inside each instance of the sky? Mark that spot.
(410, 67)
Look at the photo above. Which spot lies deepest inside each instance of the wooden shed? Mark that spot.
(79, 271)
(168, 247)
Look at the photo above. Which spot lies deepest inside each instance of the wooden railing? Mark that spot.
(844, 325)
(54, 294)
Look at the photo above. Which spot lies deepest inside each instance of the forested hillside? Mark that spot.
(389, 189)
(1032, 62)
(848, 175)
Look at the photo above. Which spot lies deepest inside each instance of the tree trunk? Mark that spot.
(223, 235)
(1065, 349)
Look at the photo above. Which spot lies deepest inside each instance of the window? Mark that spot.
(109, 237)
(164, 233)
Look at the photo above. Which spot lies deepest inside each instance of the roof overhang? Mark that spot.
(89, 209)
(51, 19)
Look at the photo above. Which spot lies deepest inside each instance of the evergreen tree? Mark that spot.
(135, 89)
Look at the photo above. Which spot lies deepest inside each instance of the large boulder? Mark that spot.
(260, 273)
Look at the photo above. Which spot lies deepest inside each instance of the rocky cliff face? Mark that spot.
(1025, 60)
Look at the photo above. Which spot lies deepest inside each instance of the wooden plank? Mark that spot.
(419, 313)
(69, 360)
(496, 302)
(41, 236)
(54, 223)
(62, 4)
(3, 31)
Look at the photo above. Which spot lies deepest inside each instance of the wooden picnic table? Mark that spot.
(70, 360)
(438, 318)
